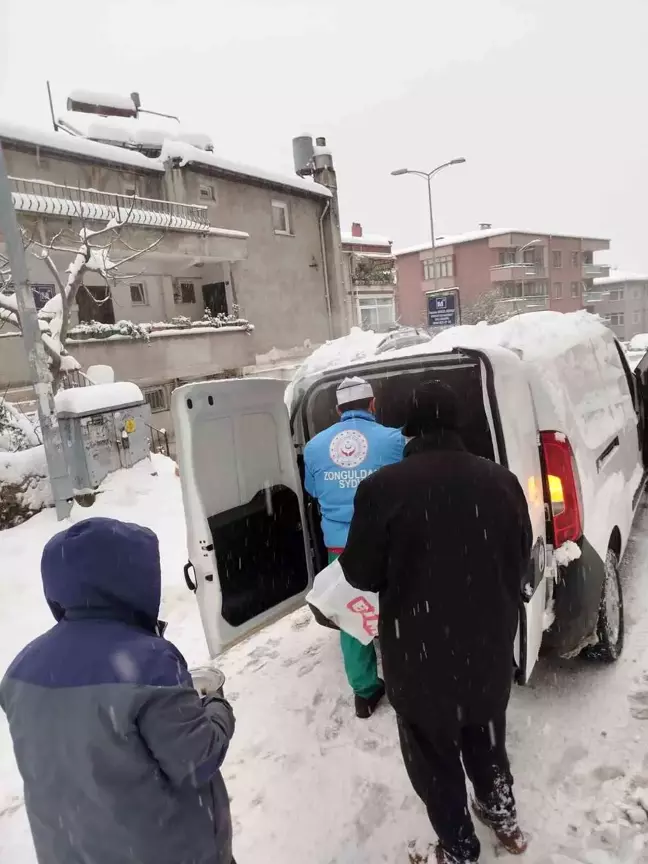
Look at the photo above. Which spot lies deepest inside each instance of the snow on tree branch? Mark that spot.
(91, 250)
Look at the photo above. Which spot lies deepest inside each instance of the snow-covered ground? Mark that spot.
(311, 783)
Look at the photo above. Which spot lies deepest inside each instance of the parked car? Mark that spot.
(550, 396)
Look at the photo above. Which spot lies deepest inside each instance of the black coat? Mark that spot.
(445, 537)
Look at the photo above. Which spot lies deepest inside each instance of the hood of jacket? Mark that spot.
(103, 568)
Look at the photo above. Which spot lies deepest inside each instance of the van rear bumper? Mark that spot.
(577, 597)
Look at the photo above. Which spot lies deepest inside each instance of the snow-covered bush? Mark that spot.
(24, 484)
(97, 330)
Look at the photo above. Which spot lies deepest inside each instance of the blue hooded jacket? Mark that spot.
(119, 754)
(338, 459)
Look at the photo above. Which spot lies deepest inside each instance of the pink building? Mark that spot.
(522, 269)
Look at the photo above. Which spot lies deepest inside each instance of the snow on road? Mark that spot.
(311, 783)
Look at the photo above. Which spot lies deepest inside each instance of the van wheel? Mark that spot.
(610, 628)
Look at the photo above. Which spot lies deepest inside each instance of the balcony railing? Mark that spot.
(516, 272)
(594, 271)
(56, 199)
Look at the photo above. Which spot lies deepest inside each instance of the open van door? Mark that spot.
(248, 551)
(517, 419)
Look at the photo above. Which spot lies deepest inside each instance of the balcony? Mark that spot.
(595, 271)
(167, 355)
(55, 199)
(595, 296)
(187, 233)
(516, 272)
(518, 305)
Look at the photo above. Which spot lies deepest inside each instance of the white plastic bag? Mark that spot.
(354, 611)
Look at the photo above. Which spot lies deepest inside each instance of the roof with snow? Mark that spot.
(121, 152)
(78, 146)
(366, 240)
(618, 277)
(470, 236)
(187, 154)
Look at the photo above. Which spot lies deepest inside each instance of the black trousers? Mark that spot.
(433, 761)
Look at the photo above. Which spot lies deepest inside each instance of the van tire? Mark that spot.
(610, 626)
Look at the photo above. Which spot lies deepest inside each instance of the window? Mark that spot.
(157, 399)
(588, 257)
(558, 290)
(556, 258)
(95, 304)
(280, 219)
(184, 292)
(42, 293)
(507, 256)
(376, 313)
(138, 294)
(530, 256)
(206, 192)
(575, 289)
(617, 294)
(574, 259)
(444, 268)
(617, 319)
(636, 317)
(637, 293)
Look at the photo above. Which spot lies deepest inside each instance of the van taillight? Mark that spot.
(563, 487)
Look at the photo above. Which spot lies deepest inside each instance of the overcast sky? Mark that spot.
(546, 99)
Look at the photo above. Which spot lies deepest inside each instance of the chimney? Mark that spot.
(485, 226)
(356, 230)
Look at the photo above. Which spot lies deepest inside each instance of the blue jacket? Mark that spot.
(119, 754)
(337, 461)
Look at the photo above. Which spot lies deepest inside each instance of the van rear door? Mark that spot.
(521, 454)
(242, 494)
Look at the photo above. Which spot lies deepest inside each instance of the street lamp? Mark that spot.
(428, 175)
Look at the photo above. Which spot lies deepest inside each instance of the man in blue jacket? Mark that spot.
(119, 754)
(336, 462)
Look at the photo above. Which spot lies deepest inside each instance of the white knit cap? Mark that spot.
(353, 390)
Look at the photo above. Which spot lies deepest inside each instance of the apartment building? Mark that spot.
(516, 270)
(621, 299)
(370, 269)
(258, 248)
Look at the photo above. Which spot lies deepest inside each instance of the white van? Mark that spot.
(548, 395)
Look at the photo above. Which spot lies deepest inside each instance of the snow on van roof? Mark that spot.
(617, 277)
(533, 336)
(359, 345)
(469, 236)
(65, 143)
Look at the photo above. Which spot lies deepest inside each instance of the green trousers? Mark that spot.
(360, 662)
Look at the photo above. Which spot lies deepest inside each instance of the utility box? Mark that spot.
(104, 427)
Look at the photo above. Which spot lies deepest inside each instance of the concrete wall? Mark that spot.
(279, 287)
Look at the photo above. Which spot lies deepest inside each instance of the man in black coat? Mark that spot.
(445, 537)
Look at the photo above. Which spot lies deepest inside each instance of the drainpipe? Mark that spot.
(327, 287)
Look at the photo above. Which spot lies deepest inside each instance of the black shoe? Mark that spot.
(365, 706)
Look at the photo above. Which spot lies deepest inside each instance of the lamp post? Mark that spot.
(428, 175)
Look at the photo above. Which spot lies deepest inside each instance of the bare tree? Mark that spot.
(490, 307)
(89, 250)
